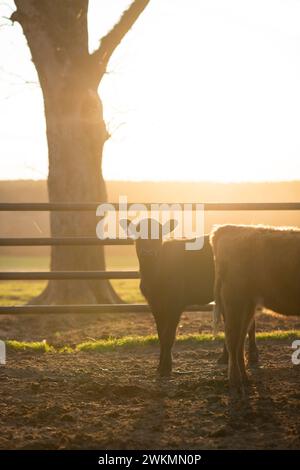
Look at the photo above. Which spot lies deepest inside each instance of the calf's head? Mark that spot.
(148, 235)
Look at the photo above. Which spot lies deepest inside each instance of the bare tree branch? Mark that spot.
(111, 41)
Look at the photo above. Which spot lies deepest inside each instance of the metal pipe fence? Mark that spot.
(81, 241)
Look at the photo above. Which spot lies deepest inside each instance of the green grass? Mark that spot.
(133, 342)
(33, 346)
(112, 344)
(278, 335)
(129, 290)
(19, 292)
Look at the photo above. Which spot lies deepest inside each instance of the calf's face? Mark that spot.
(148, 235)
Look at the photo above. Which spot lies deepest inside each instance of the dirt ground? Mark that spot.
(113, 400)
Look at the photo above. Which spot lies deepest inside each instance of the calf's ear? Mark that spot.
(169, 226)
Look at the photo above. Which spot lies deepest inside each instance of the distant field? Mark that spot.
(19, 292)
(42, 263)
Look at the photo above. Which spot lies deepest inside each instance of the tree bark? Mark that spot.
(57, 35)
(76, 134)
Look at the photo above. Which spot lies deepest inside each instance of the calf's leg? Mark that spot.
(247, 319)
(218, 312)
(253, 354)
(239, 314)
(233, 327)
(223, 359)
(166, 344)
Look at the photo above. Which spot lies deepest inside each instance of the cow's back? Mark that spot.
(261, 262)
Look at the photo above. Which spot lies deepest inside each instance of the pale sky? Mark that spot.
(198, 90)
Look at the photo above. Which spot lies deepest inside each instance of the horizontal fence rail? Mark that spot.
(64, 241)
(101, 308)
(78, 241)
(208, 206)
(46, 275)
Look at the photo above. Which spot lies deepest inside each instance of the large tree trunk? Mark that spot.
(76, 134)
(57, 35)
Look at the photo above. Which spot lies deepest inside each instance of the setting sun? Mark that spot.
(197, 91)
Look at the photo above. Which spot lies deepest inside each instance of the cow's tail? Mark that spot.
(218, 310)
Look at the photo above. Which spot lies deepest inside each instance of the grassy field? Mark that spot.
(20, 292)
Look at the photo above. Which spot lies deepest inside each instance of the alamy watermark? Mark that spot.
(187, 222)
(296, 353)
(2, 353)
